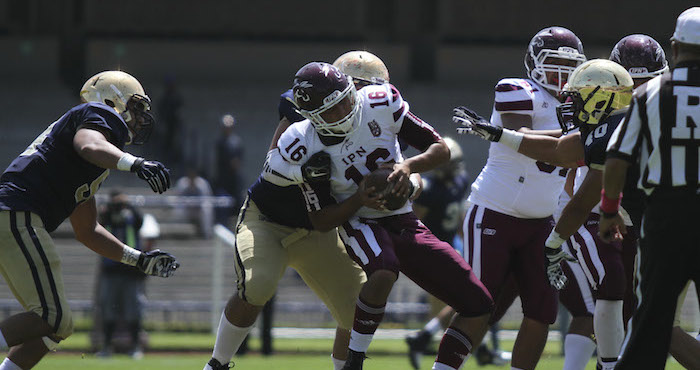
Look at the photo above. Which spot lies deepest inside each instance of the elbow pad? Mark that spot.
(279, 171)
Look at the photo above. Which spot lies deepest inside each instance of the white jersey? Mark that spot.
(374, 142)
(512, 183)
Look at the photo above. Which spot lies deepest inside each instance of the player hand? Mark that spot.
(552, 263)
(474, 124)
(317, 168)
(399, 180)
(369, 197)
(154, 173)
(416, 190)
(611, 228)
(157, 263)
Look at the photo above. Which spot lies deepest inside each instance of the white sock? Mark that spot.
(609, 332)
(228, 338)
(433, 326)
(337, 364)
(9, 365)
(578, 349)
(360, 342)
(3, 342)
(440, 366)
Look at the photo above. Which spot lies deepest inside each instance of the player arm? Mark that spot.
(93, 235)
(332, 215)
(579, 207)
(281, 128)
(564, 152)
(93, 146)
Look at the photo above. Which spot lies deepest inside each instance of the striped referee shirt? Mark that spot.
(661, 131)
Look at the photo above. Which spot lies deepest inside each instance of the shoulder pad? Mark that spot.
(514, 95)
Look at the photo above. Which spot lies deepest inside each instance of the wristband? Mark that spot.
(126, 161)
(130, 256)
(554, 240)
(416, 185)
(608, 205)
(511, 139)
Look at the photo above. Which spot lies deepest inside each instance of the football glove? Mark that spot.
(317, 168)
(157, 263)
(474, 124)
(552, 263)
(154, 173)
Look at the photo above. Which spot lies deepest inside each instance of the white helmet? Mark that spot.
(125, 94)
(363, 66)
(596, 88)
(455, 149)
(455, 165)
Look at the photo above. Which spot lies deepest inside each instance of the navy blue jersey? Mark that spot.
(595, 142)
(289, 205)
(445, 203)
(286, 108)
(49, 178)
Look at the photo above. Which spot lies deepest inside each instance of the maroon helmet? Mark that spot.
(641, 56)
(327, 98)
(553, 42)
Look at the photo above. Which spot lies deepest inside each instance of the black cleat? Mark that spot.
(214, 364)
(417, 344)
(354, 361)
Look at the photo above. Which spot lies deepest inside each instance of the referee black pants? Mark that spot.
(669, 256)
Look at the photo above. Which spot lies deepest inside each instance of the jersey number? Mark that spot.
(298, 153)
(599, 132)
(377, 95)
(85, 191)
(549, 168)
(31, 149)
(352, 173)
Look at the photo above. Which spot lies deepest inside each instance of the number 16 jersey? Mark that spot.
(384, 116)
(512, 183)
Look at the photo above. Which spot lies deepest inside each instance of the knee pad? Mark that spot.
(258, 291)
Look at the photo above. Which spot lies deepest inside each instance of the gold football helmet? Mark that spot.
(594, 90)
(363, 67)
(125, 94)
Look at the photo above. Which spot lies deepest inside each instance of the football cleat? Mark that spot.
(214, 364)
(417, 344)
(354, 361)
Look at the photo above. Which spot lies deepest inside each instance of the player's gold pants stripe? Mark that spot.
(32, 265)
(40, 267)
(47, 268)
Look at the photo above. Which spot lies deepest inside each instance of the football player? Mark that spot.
(645, 59)
(347, 134)
(56, 178)
(514, 197)
(599, 91)
(274, 231)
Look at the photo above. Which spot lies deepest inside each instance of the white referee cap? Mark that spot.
(688, 27)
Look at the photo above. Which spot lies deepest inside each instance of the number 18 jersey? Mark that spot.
(512, 183)
(373, 143)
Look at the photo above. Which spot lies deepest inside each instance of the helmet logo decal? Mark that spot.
(637, 70)
(300, 92)
(331, 97)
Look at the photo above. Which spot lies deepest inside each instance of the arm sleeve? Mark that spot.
(417, 133)
(625, 140)
(514, 96)
(280, 171)
(105, 121)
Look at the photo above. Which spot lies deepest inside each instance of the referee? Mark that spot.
(661, 134)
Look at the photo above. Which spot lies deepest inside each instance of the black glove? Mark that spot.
(474, 124)
(317, 168)
(552, 263)
(155, 174)
(157, 263)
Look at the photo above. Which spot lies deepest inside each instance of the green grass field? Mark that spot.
(176, 351)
